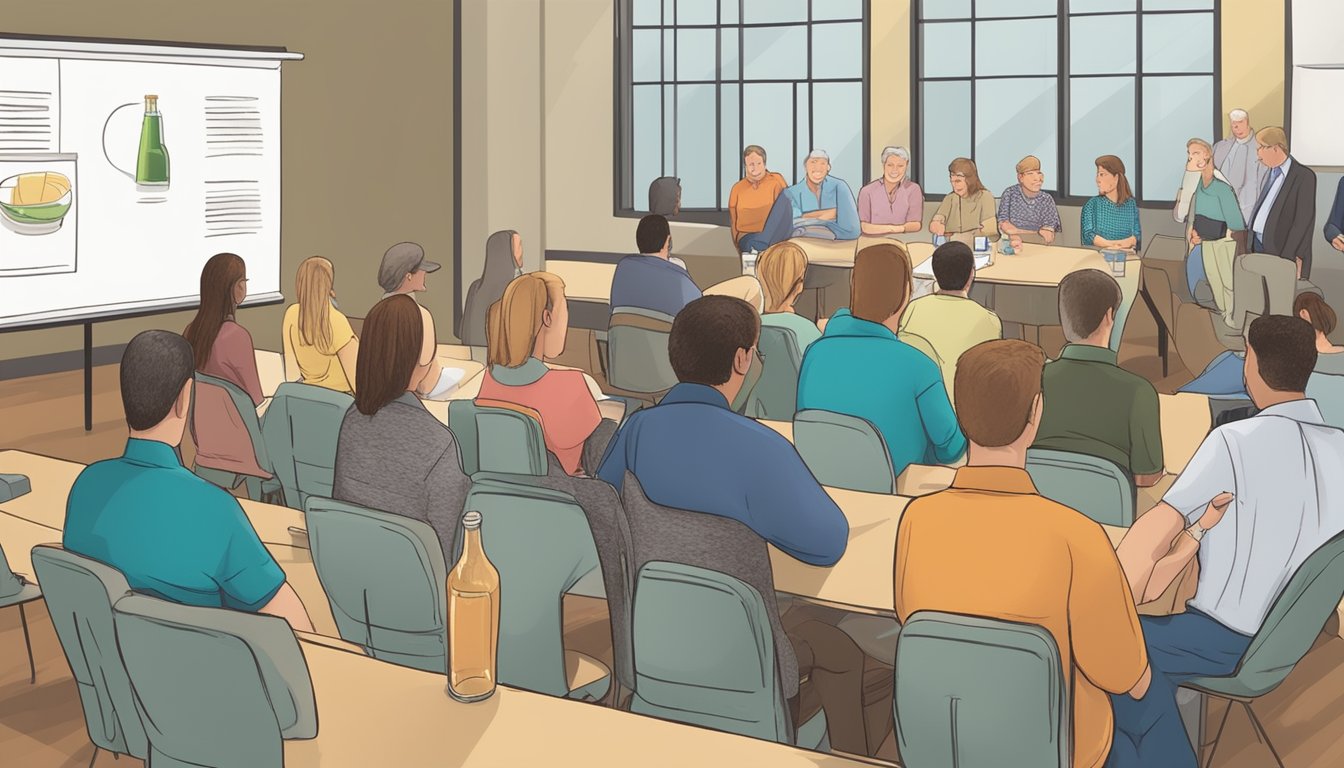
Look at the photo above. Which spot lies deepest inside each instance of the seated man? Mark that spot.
(1025, 212)
(651, 280)
(948, 321)
(819, 206)
(745, 471)
(1283, 465)
(992, 546)
(860, 367)
(170, 533)
(1092, 405)
(405, 270)
(665, 196)
(750, 200)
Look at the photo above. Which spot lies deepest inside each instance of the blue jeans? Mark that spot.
(1148, 731)
(1224, 377)
(1194, 269)
(753, 241)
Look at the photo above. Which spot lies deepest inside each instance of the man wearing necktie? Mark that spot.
(1285, 212)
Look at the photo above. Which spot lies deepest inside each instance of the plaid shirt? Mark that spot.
(1030, 214)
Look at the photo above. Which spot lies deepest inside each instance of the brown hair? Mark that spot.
(313, 285)
(753, 149)
(1084, 297)
(1322, 316)
(781, 270)
(220, 274)
(1198, 142)
(706, 335)
(1116, 167)
(995, 386)
(393, 335)
(879, 284)
(514, 322)
(966, 167)
(1285, 351)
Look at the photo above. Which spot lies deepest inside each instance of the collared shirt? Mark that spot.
(949, 325)
(1283, 464)
(834, 193)
(169, 532)
(749, 205)
(991, 546)
(1110, 221)
(1217, 201)
(319, 366)
(568, 411)
(651, 282)
(1029, 213)
(903, 205)
(968, 214)
(691, 452)
(804, 331)
(1275, 182)
(1326, 387)
(860, 368)
(1095, 407)
(1237, 160)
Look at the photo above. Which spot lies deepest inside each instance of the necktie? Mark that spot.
(1274, 174)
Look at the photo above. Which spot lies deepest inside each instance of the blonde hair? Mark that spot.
(313, 283)
(1206, 146)
(780, 269)
(514, 322)
(1273, 137)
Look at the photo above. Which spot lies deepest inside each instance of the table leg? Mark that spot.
(88, 377)
(1162, 331)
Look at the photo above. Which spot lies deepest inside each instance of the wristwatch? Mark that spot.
(1196, 532)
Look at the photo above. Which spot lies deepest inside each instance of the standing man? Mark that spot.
(751, 198)
(892, 204)
(1026, 211)
(1285, 211)
(1236, 158)
(405, 269)
(1334, 226)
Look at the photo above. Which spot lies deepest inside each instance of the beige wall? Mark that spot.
(367, 113)
(1253, 59)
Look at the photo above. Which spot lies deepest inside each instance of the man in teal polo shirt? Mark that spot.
(860, 368)
(172, 534)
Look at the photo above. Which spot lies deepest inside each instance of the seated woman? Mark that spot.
(319, 343)
(1217, 229)
(1326, 385)
(526, 326)
(222, 348)
(968, 209)
(392, 454)
(1111, 219)
(503, 262)
(781, 270)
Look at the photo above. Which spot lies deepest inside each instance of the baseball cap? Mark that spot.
(399, 260)
(1028, 164)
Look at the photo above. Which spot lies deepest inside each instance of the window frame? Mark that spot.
(1064, 78)
(624, 186)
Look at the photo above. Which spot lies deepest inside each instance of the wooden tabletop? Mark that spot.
(584, 280)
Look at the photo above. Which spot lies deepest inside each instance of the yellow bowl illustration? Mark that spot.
(36, 203)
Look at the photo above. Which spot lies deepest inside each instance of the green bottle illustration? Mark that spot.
(151, 165)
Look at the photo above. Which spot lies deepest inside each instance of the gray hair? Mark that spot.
(819, 154)
(1238, 114)
(900, 152)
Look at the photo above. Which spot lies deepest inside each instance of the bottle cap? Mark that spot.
(151, 96)
(471, 520)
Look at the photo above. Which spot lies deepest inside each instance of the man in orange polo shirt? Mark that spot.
(751, 198)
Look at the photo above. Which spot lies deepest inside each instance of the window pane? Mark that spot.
(802, 135)
(1013, 119)
(946, 9)
(1178, 42)
(834, 106)
(730, 160)
(1001, 49)
(947, 49)
(696, 55)
(1174, 109)
(728, 8)
(696, 11)
(774, 53)
(647, 140)
(646, 56)
(837, 9)
(1177, 5)
(765, 121)
(988, 9)
(1094, 6)
(731, 68)
(765, 11)
(669, 129)
(1101, 122)
(669, 54)
(1102, 45)
(647, 12)
(696, 135)
(837, 50)
(947, 132)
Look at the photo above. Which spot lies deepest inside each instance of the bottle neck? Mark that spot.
(471, 544)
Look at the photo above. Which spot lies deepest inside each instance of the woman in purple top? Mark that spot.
(893, 204)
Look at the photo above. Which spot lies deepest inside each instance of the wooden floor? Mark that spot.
(41, 725)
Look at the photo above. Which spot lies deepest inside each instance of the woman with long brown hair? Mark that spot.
(969, 208)
(319, 343)
(1111, 219)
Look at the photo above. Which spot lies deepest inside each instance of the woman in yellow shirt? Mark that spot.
(320, 346)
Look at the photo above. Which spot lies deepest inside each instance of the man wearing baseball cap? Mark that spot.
(404, 269)
(1025, 212)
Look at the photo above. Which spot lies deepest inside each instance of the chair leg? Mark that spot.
(1218, 735)
(94, 759)
(1260, 731)
(28, 643)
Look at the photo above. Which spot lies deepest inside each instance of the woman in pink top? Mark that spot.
(524, 328)
(223, 349)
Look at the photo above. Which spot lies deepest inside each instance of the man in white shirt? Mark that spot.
(1282, 468)
(1235, 158)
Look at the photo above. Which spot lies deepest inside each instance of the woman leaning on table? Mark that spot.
(969, 208)
(1111, 219)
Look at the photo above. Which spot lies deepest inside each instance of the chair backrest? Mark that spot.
(1327, 390)
(1094, 486)
(301, 428)
(1263, 284)
(972, 691)
(1293, 623)
(776, 394)
(384, 576)
(709, 648)
(843, 451)
(214, 686)
(637, 359)
(540, 542)
(244, 411)
(494, 436)
(10, 584)
(80, 592)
